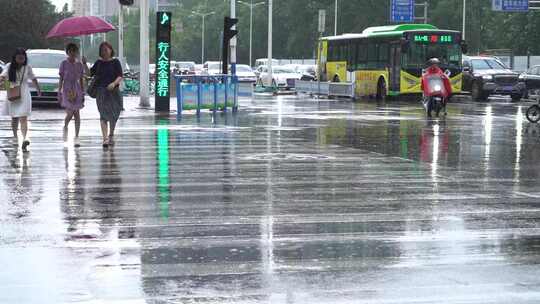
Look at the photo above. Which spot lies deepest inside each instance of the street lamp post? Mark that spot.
(464, 17)
(335, 18)
(251, 6)
(202, 32)
(270, 76)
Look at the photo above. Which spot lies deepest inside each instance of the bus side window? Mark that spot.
(330, 51)
(342, 52)
(373, 56)
(351, 58)
(383, 55)
(361, 58)
(345, 52)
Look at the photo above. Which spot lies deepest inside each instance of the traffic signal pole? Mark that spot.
(233, 40)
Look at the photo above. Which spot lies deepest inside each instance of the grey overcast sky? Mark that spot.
(60, 3)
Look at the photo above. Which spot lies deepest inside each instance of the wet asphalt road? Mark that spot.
(288, 201)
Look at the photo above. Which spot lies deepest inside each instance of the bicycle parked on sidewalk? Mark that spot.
(131, 84)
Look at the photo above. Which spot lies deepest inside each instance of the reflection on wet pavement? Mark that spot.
(289, 201)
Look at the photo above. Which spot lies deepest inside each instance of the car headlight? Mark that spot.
(487, 77)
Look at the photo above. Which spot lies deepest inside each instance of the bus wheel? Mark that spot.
(336, 79)
(381, 89)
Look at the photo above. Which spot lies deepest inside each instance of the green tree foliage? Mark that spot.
(25, 23)
(295, 26)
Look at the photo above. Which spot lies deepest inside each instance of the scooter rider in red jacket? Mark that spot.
(434, 69)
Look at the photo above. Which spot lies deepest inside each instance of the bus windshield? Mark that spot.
(419, 54)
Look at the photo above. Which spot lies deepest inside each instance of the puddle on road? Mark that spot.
(287, 157)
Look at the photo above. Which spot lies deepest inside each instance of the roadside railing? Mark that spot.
(341, 89)
(213, 92)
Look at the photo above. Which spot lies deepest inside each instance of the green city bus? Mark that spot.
(388, 60)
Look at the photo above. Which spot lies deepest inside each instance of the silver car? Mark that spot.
(245, 73)
(46, 64)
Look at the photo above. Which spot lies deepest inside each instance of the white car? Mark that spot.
(245, 73)
(264, 61)
(294, 67)
(46, 65)
(212, 68)
(184, 68)
(282, 77)
(199, 69)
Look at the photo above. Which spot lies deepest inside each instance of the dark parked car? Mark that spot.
(484, 76)
(532, 81)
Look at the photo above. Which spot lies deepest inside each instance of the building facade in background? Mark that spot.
(80, 7)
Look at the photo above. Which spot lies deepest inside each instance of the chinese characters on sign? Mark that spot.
(163, 70)
(163, 62)
(402, 11)
(433, 38)
(511, 5)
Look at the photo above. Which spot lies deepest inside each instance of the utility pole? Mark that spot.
(251, 6)
(145, 55)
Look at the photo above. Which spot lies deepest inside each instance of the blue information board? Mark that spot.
(402, 11)
(511, 5)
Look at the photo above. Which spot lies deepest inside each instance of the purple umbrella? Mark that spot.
(78, 26)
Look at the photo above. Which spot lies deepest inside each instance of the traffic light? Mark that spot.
(126, 2)
(228, 34)
(228, 24)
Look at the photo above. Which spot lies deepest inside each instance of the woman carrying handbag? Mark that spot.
(108, 76)
(70, 90)
(19, 100)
